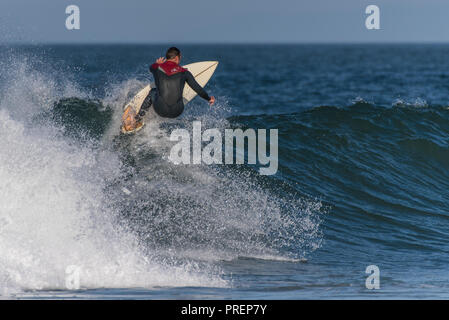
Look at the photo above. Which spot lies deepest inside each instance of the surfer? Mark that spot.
(170, 79)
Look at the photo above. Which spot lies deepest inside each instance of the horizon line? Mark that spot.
(37, 43)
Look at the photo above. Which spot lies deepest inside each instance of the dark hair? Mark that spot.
(172, 53)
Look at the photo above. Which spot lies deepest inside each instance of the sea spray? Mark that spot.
(55, 213)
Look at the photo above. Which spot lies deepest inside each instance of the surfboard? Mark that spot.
(202, 71)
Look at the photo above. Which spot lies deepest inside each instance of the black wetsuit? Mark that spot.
(166, 98)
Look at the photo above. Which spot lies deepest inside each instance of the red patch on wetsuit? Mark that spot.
(169, 68)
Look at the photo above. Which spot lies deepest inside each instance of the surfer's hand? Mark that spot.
(160, 60)
(212, 101)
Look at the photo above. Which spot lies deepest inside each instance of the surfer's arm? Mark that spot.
(155, 65)
(195, 86)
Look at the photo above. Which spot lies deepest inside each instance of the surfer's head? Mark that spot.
(173, 54)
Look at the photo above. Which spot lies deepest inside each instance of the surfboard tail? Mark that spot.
(129, 119)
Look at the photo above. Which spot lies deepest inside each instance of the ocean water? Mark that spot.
(363, 176)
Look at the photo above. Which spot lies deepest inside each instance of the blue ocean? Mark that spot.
(362, 180)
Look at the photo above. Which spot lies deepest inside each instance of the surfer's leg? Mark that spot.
(146, 104)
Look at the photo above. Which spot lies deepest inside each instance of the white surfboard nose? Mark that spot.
(202, 71)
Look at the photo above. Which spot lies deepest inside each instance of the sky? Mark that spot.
(223, 21)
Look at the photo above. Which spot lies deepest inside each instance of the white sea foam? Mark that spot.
(54, 212)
